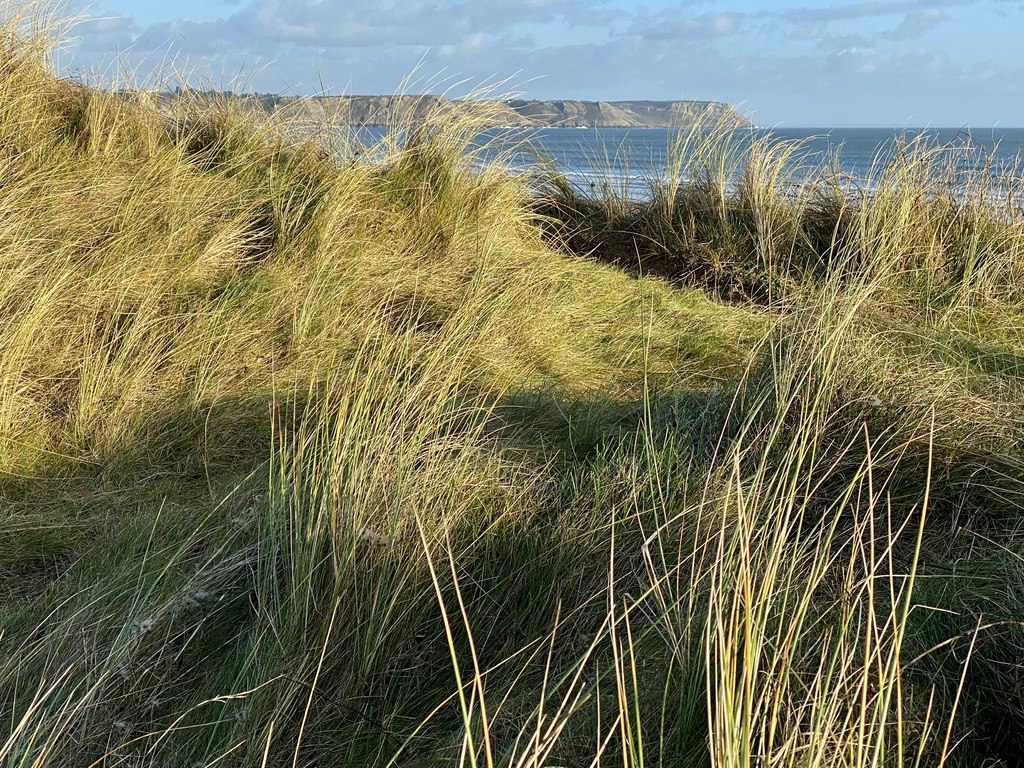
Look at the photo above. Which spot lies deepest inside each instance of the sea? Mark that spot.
(628, 161)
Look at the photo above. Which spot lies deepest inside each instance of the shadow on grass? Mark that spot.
(603, 466)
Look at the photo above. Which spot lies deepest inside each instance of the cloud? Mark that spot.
(279, 29)
(348, 38)
(915, 19)
(811, 30)
(833, 44)
(863, 10)
(790, 63)
(856, 60)
(499, 14)
(845, 11)
(700, 29)
(917, 23)
(104, 34)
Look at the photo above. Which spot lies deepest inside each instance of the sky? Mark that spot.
(788, 63)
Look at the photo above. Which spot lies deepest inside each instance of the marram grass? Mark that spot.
(307, 459)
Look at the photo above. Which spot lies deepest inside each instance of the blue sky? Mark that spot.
(792, 62)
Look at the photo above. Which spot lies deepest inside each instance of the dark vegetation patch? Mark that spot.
(762, 239)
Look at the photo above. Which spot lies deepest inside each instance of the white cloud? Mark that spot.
(697, 30)
(918, 23)
(856, 60)
(108, 33)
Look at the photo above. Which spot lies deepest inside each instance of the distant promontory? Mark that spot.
(567, 113)
(624, 114)
(380, 110)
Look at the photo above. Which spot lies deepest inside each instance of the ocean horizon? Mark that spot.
(630, 160)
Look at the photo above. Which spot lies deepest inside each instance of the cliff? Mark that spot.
(384, 110)
(624, 114)
(379, 110)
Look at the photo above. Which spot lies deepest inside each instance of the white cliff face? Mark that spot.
(381, 110)
(625, 114)
(386, 110)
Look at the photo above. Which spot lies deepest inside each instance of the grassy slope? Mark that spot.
(293, 452)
